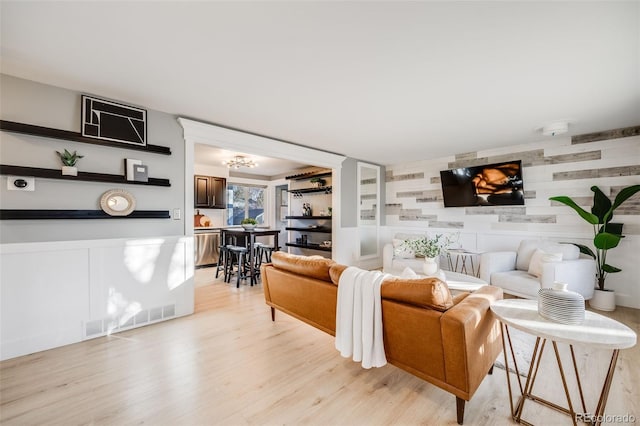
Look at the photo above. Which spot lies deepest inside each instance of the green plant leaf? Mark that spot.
(610, 269)
(606, 241)
(612, 228)
(585, 250)
(589, 217)
(625, 194)
(601, 205)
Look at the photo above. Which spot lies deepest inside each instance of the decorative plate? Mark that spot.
(117, 202)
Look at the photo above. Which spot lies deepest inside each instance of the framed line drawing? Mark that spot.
(112, 121)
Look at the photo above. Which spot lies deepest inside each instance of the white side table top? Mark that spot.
(462, 252)
(596, 330)
(459, 277)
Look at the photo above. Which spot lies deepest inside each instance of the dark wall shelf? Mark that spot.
(309, 175)
(321, 189)
(323, 230)
(82, 176)
(7, 214)
(310, 246)
(30, 129)
(308, 217)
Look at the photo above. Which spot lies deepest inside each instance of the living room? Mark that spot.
(526, 66)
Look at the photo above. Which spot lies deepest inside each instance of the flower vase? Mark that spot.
(430, 266)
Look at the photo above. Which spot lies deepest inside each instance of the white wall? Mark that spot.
(550, 167)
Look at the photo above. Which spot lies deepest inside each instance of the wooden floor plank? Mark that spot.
(228, 364)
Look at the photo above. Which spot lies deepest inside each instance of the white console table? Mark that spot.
(596, 331)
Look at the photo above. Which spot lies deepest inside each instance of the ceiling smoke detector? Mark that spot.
(557, 128)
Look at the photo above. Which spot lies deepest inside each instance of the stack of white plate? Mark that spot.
(560, 305)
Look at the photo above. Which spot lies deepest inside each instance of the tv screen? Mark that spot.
(496, 184)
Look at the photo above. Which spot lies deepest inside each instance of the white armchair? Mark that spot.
(395, 259)
(537, 264)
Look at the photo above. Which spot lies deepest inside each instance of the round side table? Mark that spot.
(596, 331)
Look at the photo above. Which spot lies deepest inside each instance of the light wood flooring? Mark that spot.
(228, 364)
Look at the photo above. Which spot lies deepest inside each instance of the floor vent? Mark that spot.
(102, 327)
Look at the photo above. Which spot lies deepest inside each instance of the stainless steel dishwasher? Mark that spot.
(207, 246)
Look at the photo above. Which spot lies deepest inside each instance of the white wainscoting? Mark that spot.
(56, 293)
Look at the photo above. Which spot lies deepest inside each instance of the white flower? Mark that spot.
(430, 247)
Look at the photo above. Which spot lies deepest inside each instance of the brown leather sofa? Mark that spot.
(451, 342)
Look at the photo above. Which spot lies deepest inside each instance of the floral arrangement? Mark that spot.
(430, 247)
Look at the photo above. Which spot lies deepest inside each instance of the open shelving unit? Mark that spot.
(38, 172)
(316, 225)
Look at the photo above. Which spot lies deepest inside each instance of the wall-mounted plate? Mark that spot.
(117, 202)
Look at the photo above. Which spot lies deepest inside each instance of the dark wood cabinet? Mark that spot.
(210, 192)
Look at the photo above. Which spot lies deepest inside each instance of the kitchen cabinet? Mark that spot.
(210, 192)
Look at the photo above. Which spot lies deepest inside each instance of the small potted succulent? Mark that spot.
(69, 161)
(248, 223)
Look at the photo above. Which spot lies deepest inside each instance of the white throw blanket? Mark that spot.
(359, 317)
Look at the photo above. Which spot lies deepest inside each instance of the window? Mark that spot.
(245, 201)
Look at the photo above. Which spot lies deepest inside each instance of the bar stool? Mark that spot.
(222, 261)
(236, 256)
(266, 252)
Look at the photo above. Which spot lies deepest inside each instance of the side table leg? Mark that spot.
(575, 369)
(604, 395)
(564, 383)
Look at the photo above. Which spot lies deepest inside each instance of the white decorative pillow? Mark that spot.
(538, 258)
(408, 273)
(397, 242)
(401, 251)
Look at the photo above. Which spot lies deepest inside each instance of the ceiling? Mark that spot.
(384, 81)
(268, 167)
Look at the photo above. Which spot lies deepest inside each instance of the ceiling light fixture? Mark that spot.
(556, 128)
(240, 161)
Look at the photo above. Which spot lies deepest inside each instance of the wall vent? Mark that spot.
(104, 326)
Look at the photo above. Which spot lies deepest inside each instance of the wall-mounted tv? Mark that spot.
(496, 184)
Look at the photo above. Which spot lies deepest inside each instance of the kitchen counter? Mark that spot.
(201, 229)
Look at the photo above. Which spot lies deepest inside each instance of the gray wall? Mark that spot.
(34, 103)
(349, 193)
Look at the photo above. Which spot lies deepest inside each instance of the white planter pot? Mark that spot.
(603, 300)
(69, 171)
(430, 266)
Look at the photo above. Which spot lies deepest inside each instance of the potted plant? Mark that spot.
(248, 223)
(430, 249)
(69, 160)
(606, 235)
(319, 182)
